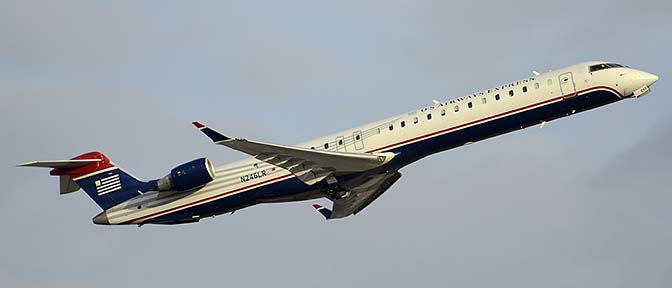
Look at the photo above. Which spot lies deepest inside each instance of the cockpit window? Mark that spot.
(605, 66)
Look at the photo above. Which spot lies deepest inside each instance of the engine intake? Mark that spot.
(187, 176)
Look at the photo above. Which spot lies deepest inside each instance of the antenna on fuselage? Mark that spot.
(535, 73)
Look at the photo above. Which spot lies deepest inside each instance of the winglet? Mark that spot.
(198, 125)
(211, 133)
(323, 210)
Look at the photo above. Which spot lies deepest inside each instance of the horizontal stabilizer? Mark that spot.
(106, 184)
(61, 164)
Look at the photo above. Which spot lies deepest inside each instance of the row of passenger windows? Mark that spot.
(456, 109)
(470, 105)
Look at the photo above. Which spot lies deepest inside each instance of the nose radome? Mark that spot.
(654, 78)
(648, 78)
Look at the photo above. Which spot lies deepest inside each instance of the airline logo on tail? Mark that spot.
(108, 185)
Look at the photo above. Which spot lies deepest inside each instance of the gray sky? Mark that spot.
(584, 202)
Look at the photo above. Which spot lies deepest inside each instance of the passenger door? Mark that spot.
(567, 85)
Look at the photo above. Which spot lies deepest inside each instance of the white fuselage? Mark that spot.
(425, 125)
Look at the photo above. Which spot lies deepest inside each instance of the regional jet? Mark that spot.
(352, 168)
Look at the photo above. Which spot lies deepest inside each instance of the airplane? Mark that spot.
(352, 168)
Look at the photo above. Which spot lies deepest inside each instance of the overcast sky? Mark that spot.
(584, 202)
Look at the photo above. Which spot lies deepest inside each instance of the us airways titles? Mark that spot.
(477, 94)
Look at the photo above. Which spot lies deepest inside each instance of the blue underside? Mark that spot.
(405, 154)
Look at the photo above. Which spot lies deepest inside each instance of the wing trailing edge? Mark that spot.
(308, 165)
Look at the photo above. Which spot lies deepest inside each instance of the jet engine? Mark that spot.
(187, 176)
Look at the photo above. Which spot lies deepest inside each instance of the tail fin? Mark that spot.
(104, 182)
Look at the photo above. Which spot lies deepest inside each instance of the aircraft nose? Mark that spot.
(647, 78)
(653, 78)
(101, 219)
(640, 83)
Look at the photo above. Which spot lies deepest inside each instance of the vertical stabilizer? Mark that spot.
(102, 180)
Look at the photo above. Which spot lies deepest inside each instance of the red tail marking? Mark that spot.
(84, 170)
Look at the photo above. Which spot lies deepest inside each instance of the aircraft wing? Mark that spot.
(308, 165)
(359, 197)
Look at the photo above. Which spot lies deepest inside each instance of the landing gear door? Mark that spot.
(567, 85)
(359, 142)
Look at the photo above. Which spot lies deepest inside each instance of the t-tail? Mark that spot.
(107, 184)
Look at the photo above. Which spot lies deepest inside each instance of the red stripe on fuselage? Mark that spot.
(493, 116)
(203, 200)
(385, 147)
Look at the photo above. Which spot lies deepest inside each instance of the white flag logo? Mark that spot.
(108, 184)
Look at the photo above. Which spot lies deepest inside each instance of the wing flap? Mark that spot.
(309, 165)
(358, 199)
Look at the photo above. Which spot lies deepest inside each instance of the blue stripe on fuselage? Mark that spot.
(415, 151)
(407, 153)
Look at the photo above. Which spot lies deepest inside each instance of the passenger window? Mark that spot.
(536, 85)
(484, 100)
(496, 97)
(429, 116)
(524, 89)
(403, 124)
(457, 108)
(391, 127)
(415, 120)
(312, 147)
(470, 105)
(443, 112)
(326, 145)
(550, 82)
(511, 93)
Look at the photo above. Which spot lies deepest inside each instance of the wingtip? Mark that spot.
(211, 133)
(198, 125)
(324, 211)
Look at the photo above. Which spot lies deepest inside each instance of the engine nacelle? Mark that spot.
(187, 176)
